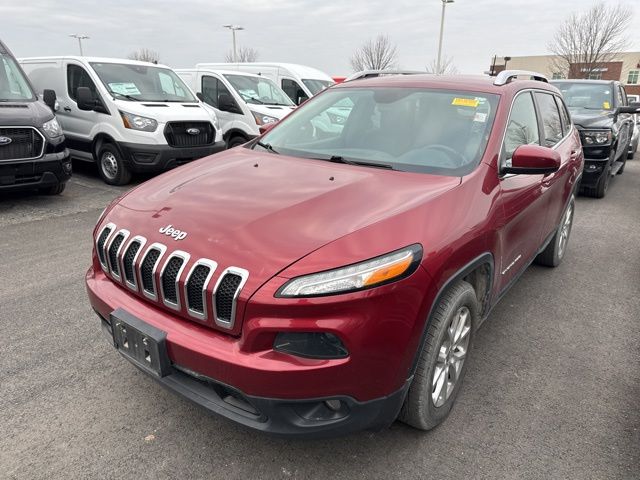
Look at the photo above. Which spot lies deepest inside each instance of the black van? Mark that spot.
(32, 148)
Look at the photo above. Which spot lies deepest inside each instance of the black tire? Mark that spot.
(419, 409)
(624, 164)
(55, 190)
(236, 141)
(111, 167)
(601, 187)
(553, 254)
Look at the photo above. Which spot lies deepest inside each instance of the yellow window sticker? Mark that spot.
(465, 102)
(606, 105)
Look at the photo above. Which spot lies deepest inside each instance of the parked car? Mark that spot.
(308, 285)
(635, 137)
(32, 148)
(601, 112)
(243, 102)
(127, 116)
(381, 73)
(298, 81)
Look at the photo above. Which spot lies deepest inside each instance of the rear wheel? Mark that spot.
(111, 166)
(553, 254)
(443, 359)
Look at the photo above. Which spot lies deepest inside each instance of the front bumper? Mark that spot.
(153, 158)
(48, 171)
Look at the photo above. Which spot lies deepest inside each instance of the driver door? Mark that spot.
(212, 87)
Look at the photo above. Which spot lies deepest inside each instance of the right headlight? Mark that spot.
(359, 276)
(138, 122)
(262, 119)
(596, 137)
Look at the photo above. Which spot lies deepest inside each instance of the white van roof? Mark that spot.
(218, 71)
(301, 71)
(86, 60)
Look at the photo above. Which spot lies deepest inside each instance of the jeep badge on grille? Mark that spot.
(173, 232)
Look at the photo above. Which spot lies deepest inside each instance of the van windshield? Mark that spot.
(258, 90)
(316, 86)
(443, 132)
(13, 84)
(143, 83)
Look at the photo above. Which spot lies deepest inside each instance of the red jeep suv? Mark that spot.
(329, 276)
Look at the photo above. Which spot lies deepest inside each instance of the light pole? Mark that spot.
(233, 29)
(438, 61)
(80, 37)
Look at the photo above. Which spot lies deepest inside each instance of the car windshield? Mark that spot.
(410, 129)
(593, 96)
(143, 83)
(13, 84)
(316, 86)
(258, 90)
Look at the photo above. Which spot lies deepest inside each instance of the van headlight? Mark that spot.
(52, 128)
(359, 276)
(137, 122)
(262, 119)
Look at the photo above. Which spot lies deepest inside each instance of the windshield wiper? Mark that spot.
(128, 97)
(267, 147)
(340, 159)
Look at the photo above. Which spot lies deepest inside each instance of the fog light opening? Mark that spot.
(321, 345)
(334, 405)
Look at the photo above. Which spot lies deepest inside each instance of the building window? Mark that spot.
(634, 75)
(557, 76)
(595, 76)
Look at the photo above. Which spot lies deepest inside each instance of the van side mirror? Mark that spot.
(632, 108)
(533, 160)
(200, 96)
(227, 104)
(49, 99)
(301, 96)
(85, 98)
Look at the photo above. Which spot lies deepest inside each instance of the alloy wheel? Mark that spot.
(109, 165)
(451, 356)
(565, 230)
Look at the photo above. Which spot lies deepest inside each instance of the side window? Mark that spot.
(212, 88)
(293, 90)
(550, 119)
(78, 77)
(522, 128)
(564, 114)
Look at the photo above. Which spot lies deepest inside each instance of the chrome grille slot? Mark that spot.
(113, 253)
(129, 257)
(170, 276)
(148, 268)
(195, 289)
(226, 295)
(102, 242)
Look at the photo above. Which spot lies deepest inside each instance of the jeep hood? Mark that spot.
(589, 119)
(262, 211)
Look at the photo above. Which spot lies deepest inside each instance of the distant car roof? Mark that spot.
(126, 61)
(583, 80)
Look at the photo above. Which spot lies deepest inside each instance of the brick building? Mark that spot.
(624, 67)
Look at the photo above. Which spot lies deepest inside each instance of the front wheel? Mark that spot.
(111, 166)
(236, 141)
(553, 254)
(55, 190)
(443, 359)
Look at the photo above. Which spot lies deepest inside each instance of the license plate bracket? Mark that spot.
(142, 344)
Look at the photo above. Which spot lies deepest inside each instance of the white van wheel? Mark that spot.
(111, 167)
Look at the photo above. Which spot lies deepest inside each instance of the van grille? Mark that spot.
(121, 254)
(26, 142)
(177, 134)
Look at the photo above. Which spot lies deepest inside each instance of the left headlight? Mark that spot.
(597, 137)
(137, 122)
(262, 119)
(52, 128)
(359, 276)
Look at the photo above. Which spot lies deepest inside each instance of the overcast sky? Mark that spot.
(319, 33)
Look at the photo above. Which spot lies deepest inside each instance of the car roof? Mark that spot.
(93, 60)
(584, 80)
(478, 83)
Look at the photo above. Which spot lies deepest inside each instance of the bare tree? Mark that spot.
(375, 54)
(588, 40)
(446, 67)
(245, 54)
(145, 55)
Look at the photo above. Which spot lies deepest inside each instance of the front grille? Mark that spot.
(195, 288)
(100, 245)
(225, 294)
(127, 261)
(146, 270)
(169, 278)
(113, 254)
(26, 142)
(177, 134)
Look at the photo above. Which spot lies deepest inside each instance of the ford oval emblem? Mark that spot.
(193, 131)
(5, 140)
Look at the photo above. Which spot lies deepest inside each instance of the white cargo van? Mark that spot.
(243, 102)
(298, 81)
(126, 115)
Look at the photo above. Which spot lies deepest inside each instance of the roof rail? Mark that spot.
(507, 76)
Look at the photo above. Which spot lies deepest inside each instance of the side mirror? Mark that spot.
(85, 98)
(49, 99)
(302, 97)
(632, 108)
(227, 104)
(200, 96)
(533, 160)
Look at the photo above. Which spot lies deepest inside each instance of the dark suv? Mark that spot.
(317, 282)
(602, 114)
(32, 148)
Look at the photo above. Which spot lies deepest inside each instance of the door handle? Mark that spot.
(574, 154)
(67, 109)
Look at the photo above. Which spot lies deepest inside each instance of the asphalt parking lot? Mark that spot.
(552, 391)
